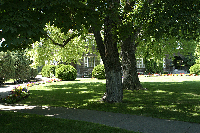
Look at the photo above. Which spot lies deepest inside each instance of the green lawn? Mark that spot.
(176, 98)
(13, 122)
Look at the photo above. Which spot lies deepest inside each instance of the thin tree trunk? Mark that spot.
(128, 47)
(130, 75)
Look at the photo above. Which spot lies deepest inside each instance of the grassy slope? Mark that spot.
(174, 98)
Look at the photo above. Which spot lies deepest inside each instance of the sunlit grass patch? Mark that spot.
(66, 94)
(164, 98)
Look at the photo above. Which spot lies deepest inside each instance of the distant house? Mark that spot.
(175, 65)
(87, 64)
(89, 61)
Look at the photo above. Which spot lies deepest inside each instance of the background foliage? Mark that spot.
(61, 47)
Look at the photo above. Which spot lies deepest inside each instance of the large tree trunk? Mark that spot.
(110, 56)
(130, 75)
(114, 92)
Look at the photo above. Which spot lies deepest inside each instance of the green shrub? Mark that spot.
(195, 69)
(48, 71)
(58, 66)
(66, 72)
(99, 72)
(34, 73)
(2, 80)
(44, 71)
(165, 72)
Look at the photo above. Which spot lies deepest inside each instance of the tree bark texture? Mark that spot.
(114, 91)
(128, 47)
(130, 75)
(110, 56)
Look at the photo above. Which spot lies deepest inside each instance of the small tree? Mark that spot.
(153, 67)
(22, 66)
(7, 69)
(57, 67)
(34, 73)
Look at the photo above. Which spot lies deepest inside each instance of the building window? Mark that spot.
(140, 63)
(91, 61)
(164, 65)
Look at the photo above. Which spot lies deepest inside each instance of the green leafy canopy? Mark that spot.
(61, 47)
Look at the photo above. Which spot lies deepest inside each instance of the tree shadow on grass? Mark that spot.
(165, 100)
(66, 95)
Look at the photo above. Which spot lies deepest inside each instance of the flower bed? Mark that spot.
(20, 92)
(52, 80)
(154, 75)
(17, 94)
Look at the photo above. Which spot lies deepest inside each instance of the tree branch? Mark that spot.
(100, 44)
(65, 41)
(69, 39)
(55, 43)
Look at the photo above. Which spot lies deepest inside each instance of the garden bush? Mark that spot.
(99, 72)
(44, 72)
(48, 71)
(195, 69)
(1, 81)
(66, 72)
(58, 66)
(34, 73)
